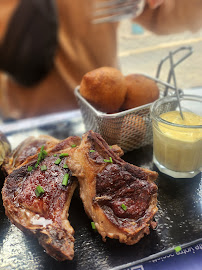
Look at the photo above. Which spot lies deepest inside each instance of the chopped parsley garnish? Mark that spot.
(65, 179)
(39, 191)
(55, 155)
(57, 162)
(92, 151)
(93, 225)
(42, 154)
(177, 249)
(73, 145)
(63, 155)
(30, 168)
(108, 160)
(124, 207)
(65, 166)
(43, 167)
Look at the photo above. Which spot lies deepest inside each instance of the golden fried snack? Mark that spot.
(104, 88)
(140, 91)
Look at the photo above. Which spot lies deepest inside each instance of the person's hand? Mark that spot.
(154, 3)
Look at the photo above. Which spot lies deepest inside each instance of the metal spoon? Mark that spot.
(175, 84)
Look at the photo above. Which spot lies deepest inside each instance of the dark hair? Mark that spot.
(28, 48)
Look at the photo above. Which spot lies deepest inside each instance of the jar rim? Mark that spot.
(166, 99)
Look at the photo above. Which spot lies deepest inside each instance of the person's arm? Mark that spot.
(172, 16)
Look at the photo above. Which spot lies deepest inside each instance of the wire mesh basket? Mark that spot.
(130, 129)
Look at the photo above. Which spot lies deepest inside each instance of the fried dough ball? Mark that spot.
(104, 88)
(140, 91)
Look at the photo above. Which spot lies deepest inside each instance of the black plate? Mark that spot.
(179, 217)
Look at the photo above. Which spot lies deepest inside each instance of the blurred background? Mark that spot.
(140, 51)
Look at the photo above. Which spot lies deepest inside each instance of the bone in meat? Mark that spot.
(44, 216)
(119, 197)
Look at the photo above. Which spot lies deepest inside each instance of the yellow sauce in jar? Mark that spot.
(178, 148)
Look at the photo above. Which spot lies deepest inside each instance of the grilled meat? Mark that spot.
(26, 149)
(36, 197)
(119, 197)
(29, 148)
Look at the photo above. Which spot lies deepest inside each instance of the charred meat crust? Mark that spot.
(124, 188)
(20, 187)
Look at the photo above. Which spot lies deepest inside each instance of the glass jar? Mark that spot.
(177, 143)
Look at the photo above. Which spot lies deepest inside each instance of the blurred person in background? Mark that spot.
(46, 46)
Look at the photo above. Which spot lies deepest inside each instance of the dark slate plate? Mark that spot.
(179, 217)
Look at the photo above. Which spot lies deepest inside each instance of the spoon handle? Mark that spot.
(175, 84)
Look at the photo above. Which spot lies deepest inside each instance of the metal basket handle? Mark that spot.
(188, 51)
